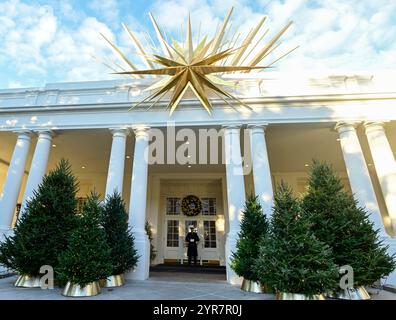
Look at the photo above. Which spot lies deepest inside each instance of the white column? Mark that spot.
(358, 174)
(138, 203)
(385, 165)
(115, 174)
(235, 194)
(261, 168)
(38, 166)
(13, 182)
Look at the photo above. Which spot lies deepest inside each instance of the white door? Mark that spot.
(172, 242)
(177, 225)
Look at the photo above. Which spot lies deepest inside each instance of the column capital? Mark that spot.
(232, 126)
(119, 131)
(141, 130)
(258, 127)
(23, 134)
(374, 125)
(343, 126)
(45, 134)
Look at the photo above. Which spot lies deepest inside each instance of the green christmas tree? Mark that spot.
(42, 232)
(87, 257)
(291, 258)
(123, 255)
(153, 252)
(254, 227)
(343, 225)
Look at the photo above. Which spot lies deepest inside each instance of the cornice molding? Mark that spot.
(267, 101)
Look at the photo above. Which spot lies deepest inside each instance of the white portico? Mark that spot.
(350, 121)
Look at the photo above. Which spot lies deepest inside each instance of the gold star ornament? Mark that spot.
(183, 66)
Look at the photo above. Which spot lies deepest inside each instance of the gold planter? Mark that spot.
(27, 281)
(359, 293)
(253, 286)
(113, 281)
(298, 296)
(74, 290)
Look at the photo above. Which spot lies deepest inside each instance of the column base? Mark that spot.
(142, 269)
(391, 279)
(230, 248)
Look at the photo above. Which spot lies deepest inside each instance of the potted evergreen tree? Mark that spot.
(87, 257)
(292, 261)
(254, 227)
(123, 255)
(43, 229)
(339, 222)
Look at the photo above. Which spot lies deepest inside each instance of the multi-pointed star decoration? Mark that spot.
(187, 67)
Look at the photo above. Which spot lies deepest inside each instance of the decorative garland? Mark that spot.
(191, 206)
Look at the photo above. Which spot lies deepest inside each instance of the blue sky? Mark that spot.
(46, 41)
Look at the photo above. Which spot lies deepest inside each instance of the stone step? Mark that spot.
(188, 269)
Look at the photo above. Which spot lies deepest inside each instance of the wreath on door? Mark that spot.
(191, 206)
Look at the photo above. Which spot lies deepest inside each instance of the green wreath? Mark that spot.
(191, 206)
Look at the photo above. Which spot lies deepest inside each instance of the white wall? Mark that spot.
(298, 180)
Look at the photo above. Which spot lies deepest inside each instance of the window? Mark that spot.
(210, 234)
(173, 206)
(80, 204)
(208, 206)
(172, 238)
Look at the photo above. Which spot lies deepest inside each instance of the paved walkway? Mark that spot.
(160, 286)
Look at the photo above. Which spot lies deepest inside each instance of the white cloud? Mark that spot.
(37, 43)
(76, 50)
(332, 35)
(338, 35)
(25, 31)
(171, 14)
(67, 11)
(107, 9)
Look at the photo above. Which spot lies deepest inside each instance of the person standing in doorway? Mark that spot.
(192, 240)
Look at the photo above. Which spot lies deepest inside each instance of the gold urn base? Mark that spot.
(74, 290)
(359, 293)
(26, 281)
(298, 296)
(113, 281)
(253, 286)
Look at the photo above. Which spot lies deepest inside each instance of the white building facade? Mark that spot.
(349, 121)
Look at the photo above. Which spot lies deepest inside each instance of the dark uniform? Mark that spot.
(192, 240)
